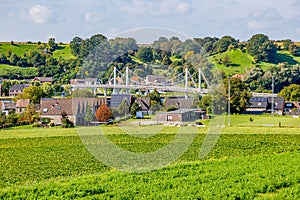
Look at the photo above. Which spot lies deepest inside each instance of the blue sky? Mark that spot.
(38, 20)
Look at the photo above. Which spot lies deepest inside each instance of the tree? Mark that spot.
(226, 60)
(145, 54)
(124, 108)
(135, 107)
(261, 48)
(65, 122)
(223, 43)
(75, 45)
(294, 49)
(103, 113)
(239, 95)
(291, 93)
(83, 93)
(30, 113)
(89, 113)
(52, 45)
(34, 93)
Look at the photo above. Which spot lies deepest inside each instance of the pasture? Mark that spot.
(247, 162)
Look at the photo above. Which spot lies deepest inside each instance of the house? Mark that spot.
(21, 105)
(155, 79)
(292, 108)
(144, 102)
(75, 109)
(278, 104)
(17, 89)
(7, 106)
(260, 105)
(86, 81)
(179, 102)
(181, 115)
(116, 100)
(44, 79)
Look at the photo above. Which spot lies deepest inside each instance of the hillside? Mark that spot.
(241, 61)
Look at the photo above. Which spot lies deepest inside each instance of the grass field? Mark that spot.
(15, 71)
(249, 161)
(63, 51)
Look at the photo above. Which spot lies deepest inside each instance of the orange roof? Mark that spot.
(22, 103)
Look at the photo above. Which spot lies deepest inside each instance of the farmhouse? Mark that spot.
(7, 106)
(181, 115)
(75, 108)
(43, 79)
(260, 105)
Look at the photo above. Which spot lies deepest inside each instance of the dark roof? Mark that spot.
(22, 103)
(70, 106)
(278, 102)
(144, 102)
(116, 99)
(179, 102)
(258, 102)
(19, 86)
(184, 110)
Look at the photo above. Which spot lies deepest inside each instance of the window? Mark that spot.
(169, 118)
(45, 110)
(58, 107)
(259, 104)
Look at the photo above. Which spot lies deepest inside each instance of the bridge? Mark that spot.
(172, 85)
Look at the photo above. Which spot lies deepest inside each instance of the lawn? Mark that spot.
(247, 162)
(63, 51)
(19, 48)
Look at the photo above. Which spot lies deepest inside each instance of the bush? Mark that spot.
(36, 124)
(66, 123)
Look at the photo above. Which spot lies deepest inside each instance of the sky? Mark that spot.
(38, 20)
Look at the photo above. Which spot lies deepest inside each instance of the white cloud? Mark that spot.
(40, 14)
(93, 16)
(269, 18)
(182, 7)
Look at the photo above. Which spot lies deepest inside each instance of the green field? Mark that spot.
(62, 50)
(15, 71)
(249, 161)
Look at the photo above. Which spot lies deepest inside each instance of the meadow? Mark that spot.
(247, 162)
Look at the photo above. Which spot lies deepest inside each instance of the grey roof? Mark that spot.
(116, 99)
(179, 102)
(258, 102)
(19, 87)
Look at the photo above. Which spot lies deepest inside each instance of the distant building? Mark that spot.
(144, 102)
(155, 79)
(181, 115)
(75, 109)
(292, 108)
(44, 79)
(7, 106)
(260, 105)
(21, 105)
(86, 81)
(179, 102)
(17, 89)
(116, 100)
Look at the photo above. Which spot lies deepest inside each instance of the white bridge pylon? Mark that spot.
(132, 81)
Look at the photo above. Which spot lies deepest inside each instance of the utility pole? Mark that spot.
(199, 79)
(272, 106)
(229, 100)
(186, 82)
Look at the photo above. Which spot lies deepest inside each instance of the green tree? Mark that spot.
(135, 107)
(89, 113)
(261, 48)
(124, 108)
(51, 44)
(223, 43)
(226, 60)
(34, 93)
(82, 93)
(291, 93)
(30, 113)
(14, 59)
(239, 95)
(75, 45)
(145, 54)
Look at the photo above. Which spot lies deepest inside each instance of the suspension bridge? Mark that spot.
(130, 80)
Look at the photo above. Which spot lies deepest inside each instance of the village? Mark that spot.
(170, 109)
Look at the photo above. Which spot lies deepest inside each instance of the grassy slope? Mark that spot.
(63, 51)
(5, 70)
(243, 61)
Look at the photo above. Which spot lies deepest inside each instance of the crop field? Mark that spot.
(247, 162)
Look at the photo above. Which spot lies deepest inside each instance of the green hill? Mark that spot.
(241, 61)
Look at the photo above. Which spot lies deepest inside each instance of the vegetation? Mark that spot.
(245, 163)
(103, 113)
